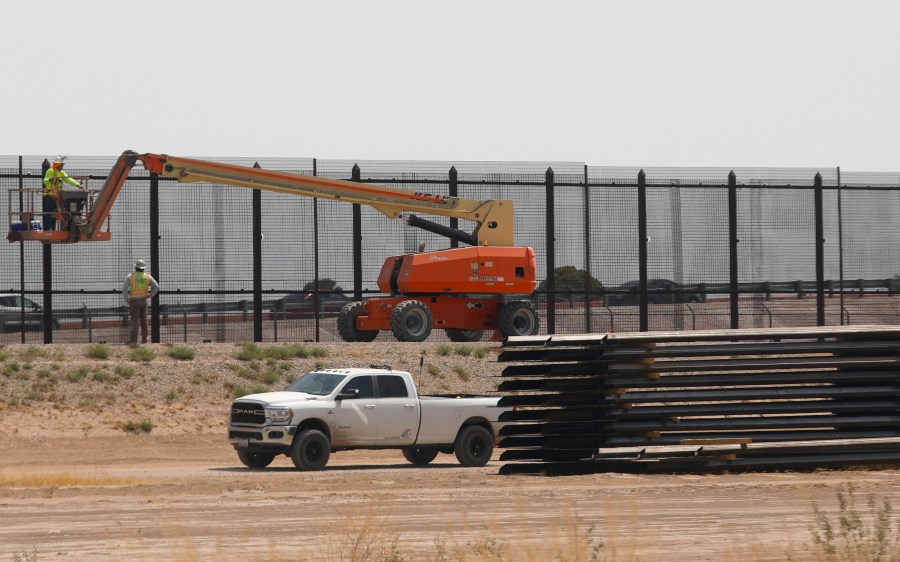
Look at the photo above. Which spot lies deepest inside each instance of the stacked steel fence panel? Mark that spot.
(701, 401)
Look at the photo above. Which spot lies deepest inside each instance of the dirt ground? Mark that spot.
(188, 498)
(75, 485)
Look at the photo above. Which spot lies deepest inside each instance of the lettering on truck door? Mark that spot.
(398, 413)
(356, 419)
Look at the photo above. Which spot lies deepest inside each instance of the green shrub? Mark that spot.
(464, 350)
(172, 394)
(78, 374)
(856, 536)
(11, 368)
(141, 426)
(98, 351)
(144, 354)
(248, 352)
(3, 355)
(181, 353)
(444, 349)
(480, 352)
(35, 396)
(241, 390)
(269, 377)
(31, 353)
(434, 370)
(101, 376)
(462, 373)
(124, 372)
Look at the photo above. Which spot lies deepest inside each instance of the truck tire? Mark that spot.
(411, 321)
(253, 459)
(346, 323)
(310, 450)
(420, 455)
(518, 318)
(474, 446)
(459, 335)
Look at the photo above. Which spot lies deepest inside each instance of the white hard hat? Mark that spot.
(140, 265)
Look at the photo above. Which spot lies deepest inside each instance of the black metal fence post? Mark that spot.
(453, 191)
(257, 263)
(550, 251)
(154, 255)
(357, 242)
(21, 254)
(47, 269)
(587, 254)
(642, 251)
(733, 251)
(820, 251)
(315, 203)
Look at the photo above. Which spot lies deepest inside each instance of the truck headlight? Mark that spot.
(279, 415)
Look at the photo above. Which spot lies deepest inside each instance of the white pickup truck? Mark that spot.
(339, 409)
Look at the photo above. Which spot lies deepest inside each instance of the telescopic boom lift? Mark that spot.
(460, 290)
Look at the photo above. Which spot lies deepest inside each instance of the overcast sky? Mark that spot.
(656, 83)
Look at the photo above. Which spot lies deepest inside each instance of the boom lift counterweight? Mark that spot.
(460, 290)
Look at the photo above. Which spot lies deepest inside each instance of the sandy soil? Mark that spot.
(74, 485)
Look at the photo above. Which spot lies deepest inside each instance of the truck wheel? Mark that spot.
(253, 459)
(474, 446)
(411, 321)
(518, 318)
(310, 450)
(346, 323)
(458, 335)
(420, 455)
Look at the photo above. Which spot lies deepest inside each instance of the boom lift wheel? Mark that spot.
(411, 321)
(460, 335)
(518, 318)
(346, 323)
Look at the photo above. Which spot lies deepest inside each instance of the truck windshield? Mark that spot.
(321, 384)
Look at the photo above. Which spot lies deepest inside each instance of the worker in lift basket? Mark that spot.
(138, 289)
(53, 181)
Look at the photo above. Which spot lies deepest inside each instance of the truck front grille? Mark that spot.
(248, 413)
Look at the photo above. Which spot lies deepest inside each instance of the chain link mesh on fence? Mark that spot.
(582, 222)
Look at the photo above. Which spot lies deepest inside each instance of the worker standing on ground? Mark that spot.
(53, 181)
(138, 289)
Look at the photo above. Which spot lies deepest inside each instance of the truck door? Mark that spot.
(398, 412)
(356, 419)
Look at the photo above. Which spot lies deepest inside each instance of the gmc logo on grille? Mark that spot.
(242, 411)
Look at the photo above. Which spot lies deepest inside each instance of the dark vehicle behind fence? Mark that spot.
(302, 305)
(659, 291)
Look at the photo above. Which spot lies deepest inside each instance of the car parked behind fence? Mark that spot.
(659, 291)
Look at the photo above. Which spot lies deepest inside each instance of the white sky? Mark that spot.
(654, 83)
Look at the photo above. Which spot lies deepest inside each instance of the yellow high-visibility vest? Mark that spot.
(53, 181)
(139, 286)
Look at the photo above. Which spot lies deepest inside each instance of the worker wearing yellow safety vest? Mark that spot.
(53, 181)
(138, 289)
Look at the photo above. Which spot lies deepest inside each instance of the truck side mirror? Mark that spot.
(348, 394)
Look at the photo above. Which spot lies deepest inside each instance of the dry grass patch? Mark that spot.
(59, 479)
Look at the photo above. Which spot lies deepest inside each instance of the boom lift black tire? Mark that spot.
(518, 318)
(346, 324)
(411, 321)
(310, 450)
(474, 446)
(460, 335)
(420, 455)
(255, 459)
